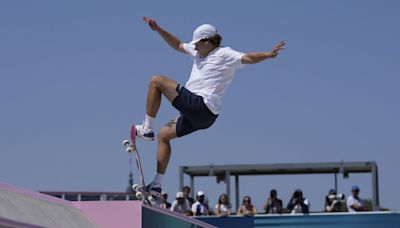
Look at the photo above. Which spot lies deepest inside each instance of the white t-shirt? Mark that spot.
(212, 74)
(223, 208)
(199, 207)
(351, 201)
(180, 208)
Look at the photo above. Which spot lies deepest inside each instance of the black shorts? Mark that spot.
(195, 115)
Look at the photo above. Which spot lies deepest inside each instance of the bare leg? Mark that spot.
(159, 85)
(164, 137)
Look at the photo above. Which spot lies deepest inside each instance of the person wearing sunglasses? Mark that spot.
(247, 209)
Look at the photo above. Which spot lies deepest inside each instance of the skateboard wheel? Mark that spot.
(125, 142)
(135, 187)
(129, 149)
(139, 195)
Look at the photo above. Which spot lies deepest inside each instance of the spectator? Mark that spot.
(186, 193)
(247, 209)
(355, 203)
(298, 204)
(164, 201)
(332, 201)
(223, 208)
(180, 205)
(273, 204)
(200, 207)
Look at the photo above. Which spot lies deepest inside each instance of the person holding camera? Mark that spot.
(273, 204)
(298, 204)
(332, 201)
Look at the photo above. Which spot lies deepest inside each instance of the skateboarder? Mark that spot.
(199, 100)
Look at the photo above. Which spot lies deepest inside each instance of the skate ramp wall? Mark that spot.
(20, 208)
(135, 214)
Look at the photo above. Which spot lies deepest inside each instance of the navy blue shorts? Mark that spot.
(195, 115)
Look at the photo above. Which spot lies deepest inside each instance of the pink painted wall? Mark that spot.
(106, 214)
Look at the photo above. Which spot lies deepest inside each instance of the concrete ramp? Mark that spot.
(20, 208)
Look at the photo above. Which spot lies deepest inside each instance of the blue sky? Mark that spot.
(74, 75)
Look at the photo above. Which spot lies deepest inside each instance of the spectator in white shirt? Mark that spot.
(180, 205)
(355, 203)
(223, 207)
(200, 207)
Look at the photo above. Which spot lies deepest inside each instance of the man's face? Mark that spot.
(186, 192)
(355, 193)
(200, 199)
(203, 47)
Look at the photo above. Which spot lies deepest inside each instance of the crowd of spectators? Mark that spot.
(334, 202)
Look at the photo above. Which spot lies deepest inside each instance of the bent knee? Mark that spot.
(157, 79)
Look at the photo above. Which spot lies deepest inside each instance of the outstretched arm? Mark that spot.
(256, 57)
(171, 40)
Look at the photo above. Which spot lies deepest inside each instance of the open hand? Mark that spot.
(275, 51)
(152, 23)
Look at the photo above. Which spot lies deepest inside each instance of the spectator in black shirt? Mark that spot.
(332, 201)
(298, 204)
(273, 204)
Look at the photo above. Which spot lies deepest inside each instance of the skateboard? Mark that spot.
(141, 191)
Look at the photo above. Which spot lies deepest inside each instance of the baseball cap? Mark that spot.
(355, 188)
(203, 32)
(179, 195)
(332, 191)
(200, 193)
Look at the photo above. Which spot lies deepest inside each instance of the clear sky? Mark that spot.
(74, 76)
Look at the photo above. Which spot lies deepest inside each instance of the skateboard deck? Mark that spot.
(140, 189)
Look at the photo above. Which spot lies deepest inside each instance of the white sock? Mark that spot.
(158, 179)
(148, 122)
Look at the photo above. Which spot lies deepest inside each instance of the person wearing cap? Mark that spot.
(180, 205)
(354, 202)
(298, 204)
(199, 100)
(200, 207)
(332, 201)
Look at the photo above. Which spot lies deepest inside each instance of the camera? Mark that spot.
(339, 196)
